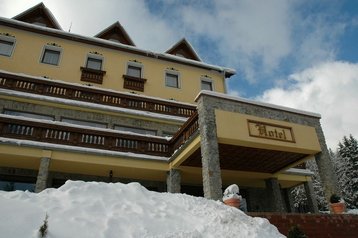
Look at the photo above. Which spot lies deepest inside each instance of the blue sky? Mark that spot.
(298, 53)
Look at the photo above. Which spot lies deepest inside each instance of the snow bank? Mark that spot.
(101, 210)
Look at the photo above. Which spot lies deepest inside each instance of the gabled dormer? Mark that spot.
(39, 15)
(116, 33)
(183, 49)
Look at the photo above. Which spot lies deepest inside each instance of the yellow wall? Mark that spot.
(232, 128)
(29, 47)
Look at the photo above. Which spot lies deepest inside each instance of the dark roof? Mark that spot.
(183, 48)
(116, 32)
(41, 14)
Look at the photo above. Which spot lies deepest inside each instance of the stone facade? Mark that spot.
(173, 181)
(207, 103)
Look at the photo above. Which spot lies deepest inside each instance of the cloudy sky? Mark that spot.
(297, 53)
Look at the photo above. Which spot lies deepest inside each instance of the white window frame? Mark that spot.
(10, 40)
(135, 64)
(52, 48)
(207, 80)
(97, 57)
(173, 73)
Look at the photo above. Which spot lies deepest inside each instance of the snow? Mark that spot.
(91, 105)
(253, 102)
(101, 210)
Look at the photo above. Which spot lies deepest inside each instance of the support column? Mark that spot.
(275, 195)
(212, 183)
(311, 198)
(41, 182)
(325, 166)
(173, 181)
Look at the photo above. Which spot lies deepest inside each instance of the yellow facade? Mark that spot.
(29, 47)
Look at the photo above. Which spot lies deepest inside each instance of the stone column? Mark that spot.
(41, 182)
(173, 181)
(210, 160)
(325, 167)
(311, 198)
(289, 196)
(275, 195)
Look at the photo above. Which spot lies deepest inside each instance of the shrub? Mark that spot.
(296, 232)
(335, 198)
(44, 228)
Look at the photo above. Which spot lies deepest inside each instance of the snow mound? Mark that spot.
(105, 210)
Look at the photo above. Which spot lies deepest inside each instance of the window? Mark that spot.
(134, 71)
(206, 85)
(51, 56)
(84, 123)
(136, 130)
(6, 45)
(94, 63)
(28, 114)
(171, 80)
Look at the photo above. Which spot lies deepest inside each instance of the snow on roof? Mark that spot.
(96, 209)
(46, 10)
(185, 41)
(122, 30)
(79, 149)
(295, 171)
(93, 106)
(93, 40)
(256, 103)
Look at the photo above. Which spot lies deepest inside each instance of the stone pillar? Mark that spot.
(173, 181)
(212, 183)
(325, 167)
(275, 195)
(290, 202)
(41, 182)
(311, 198)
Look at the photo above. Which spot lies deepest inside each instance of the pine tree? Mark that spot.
(346, 164)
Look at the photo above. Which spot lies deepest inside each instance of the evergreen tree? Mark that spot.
(346, 163)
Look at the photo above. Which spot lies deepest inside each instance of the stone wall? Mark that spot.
(314, 225)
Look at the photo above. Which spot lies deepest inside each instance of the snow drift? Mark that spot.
(91, 209)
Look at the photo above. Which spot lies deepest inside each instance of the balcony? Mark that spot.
(134, 83)
(92, 75)
(13, 127)
(46, 87)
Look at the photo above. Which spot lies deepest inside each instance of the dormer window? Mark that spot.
(6, 45)
(51, 55)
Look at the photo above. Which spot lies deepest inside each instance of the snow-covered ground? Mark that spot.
(91, 209)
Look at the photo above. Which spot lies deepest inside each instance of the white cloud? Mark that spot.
(329, 89)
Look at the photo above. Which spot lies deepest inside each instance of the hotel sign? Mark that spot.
(270, 131)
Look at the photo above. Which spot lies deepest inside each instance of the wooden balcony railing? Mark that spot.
(133, 83)
(92, 75)
(91, 138)
(12, 127)
(103, 97)
(185, 132)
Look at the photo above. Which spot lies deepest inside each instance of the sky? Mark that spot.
(296, 53)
